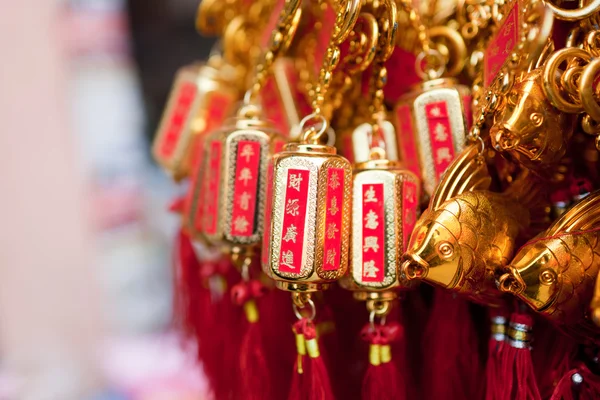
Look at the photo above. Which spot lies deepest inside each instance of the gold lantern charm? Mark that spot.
(228, 194)
(432, 124)
(200, 100)
(308, 215)
(385, 202)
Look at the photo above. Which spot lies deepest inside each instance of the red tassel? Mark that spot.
(496, 346)
(255, 382)
(382, 380)
(315, 384)
(452, 360)
(578, 384)
(517, 374)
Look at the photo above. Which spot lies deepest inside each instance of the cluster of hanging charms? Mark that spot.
(424, 176)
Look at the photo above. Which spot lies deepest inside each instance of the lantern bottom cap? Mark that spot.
(301, 287)
(385, 295)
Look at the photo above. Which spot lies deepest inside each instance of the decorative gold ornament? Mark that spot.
(468, 232)
(555, 273)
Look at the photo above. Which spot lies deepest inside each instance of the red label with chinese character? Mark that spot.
(212, 177)
(266, 245)
(324, 37)
(406, 140)
(401, 74)
(467, 110)
(179, 115)
(440, 135)
(244, 188)
(501, 46)
(195, 180)
(373, 233)
(294, 216)
(409, 210)
(333, 219)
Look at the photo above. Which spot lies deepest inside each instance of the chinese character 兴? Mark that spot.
(371, 244)
(442, 155)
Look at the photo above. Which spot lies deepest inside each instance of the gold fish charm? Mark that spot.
(528, 127)
(468, 232)
(555, 273)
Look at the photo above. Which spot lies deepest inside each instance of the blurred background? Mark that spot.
(85, 284)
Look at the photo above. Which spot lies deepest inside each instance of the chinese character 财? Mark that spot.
(371, 244)
(294, 181)
(369, 269)
(292, 207)
(290, 233)
(371, 220)
(331, 253)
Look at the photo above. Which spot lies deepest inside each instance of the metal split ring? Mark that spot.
(311, 305)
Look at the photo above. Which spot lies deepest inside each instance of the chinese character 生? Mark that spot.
(370, 195)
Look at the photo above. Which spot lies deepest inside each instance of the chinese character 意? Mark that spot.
(371, 220)
(294, 181)
(245, 175)
(369, 269)
(333, 208)
(370, 195)
(334, 181)
(244, 201)
(291, 233)
(332, 230)
(292, 207)
(247, 152)
(287, 259)
(240, 224)
(442, 155)
(331, 253)
(371, 244)
(440, 134)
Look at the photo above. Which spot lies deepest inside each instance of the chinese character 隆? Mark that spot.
(369, 269)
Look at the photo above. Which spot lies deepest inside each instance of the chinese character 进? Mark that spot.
(334, 180)
(240, 224)
(292, 207)
(291, 233)
(333, 209)
(245, 175)
(371, 220)
(294, 181)
(442, 155)
(287, 259)
(331, 257)
(439, 132)
(247, 152)
(371, 244)
(244, 201)
(369, 269)
(370, 195)
(332, 230)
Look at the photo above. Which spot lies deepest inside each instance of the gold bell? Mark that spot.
(432, 122)
(200, 100)
(307, 216)
(227, 196)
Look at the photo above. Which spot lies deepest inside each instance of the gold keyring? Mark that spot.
(371, 46)
(346, 20)
(586, 88)
(430, 73)
(549, 78)
(311, 305)
(574, 15)
(459, 49)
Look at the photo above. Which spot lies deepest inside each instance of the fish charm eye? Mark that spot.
(445, 250)
(548, 277)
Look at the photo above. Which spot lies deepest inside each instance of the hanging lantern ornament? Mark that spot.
(433, 119)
